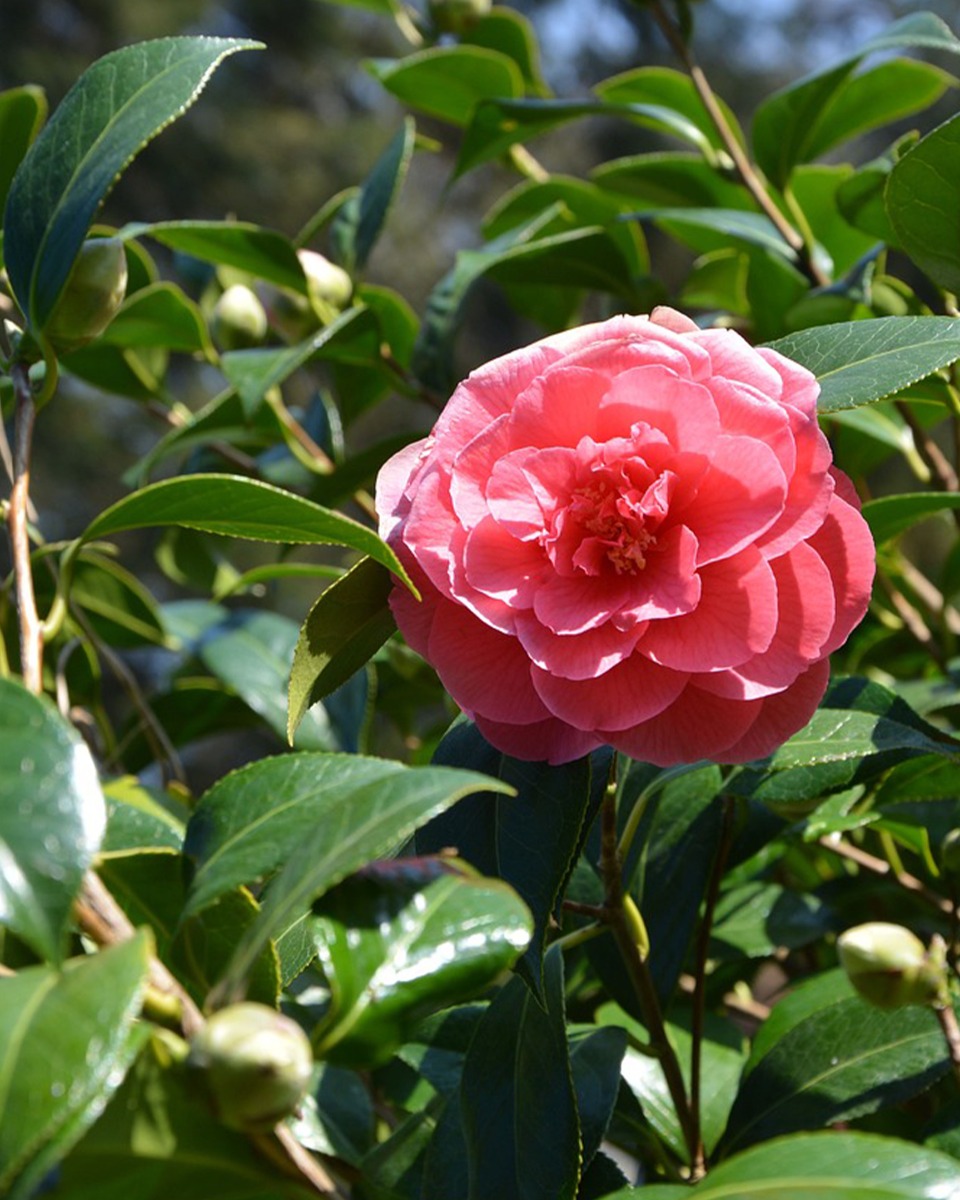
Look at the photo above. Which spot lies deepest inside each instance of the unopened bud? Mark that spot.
(890, 967)
(457, 16)
(950, 854)
(238, 320)
(93, 293)
(257, 1064)
(327, 283)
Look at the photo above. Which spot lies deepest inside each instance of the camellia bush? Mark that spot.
(599, 824)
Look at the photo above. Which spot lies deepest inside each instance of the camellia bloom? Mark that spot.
(630, 533)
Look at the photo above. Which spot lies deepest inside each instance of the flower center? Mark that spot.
(612, 525)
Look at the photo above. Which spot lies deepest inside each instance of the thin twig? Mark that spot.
(31, 632)
(700, 974)
(938, 463)
(744, 167)
(951, 1034)
(639, 971)
(912, 620)
(878, 866)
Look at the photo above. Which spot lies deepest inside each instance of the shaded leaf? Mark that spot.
(448, 81)
(22, 113)
(921, 204)
(360, 220)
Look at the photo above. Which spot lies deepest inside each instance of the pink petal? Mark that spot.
(559, 408)
(683, 410)
(624, 696)
(573, 603)
(733, 358)
(669, 585)
(392, 481)
(415, 617)
(735, 619)
(697, 725)
(799, 386)
(471, 468)
(544, 741)
(740, 496)
(576, 656)
(845, 544)
(484, 671)
(808, 496)
(781, 716)
(502, 566)
(806, 614)
(526, 485)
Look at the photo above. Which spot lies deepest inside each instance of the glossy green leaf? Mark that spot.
(877, 97)
(118, 105)
(861, 361)
(140, 819)
(833, 1166)
(840, 1061)
(921, 200)
(150, 888)
(319, 816)
(122, 371)
(159, 1138)
(757, 919)
(669, 89)
(345, 627)
(892, 515)
(511, 33)
(119, 607)
(448, 81)
(814, 190)
(671, 180)
(23, 111)
(713, 228)
(66, 1040)
(530, 835)
(517, 1102)
(405, 938)
(238, 507)
(263, 253)
(595, 1058)
(51, 820)
(787, 123)
(250, 652)
(358, 224)
(159, 315)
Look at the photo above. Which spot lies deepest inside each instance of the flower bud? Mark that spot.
(950, 855)
(457, 16)
(890, 967)
(93, 293)
(257, 1064)
(327, 283)
(238, 320)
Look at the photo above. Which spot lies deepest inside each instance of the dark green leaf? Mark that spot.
(345, 627)
(671, 180)
(713, 228)
(260, 252)
(595, 1057)
(861, 361)
(841, 1061)
(51, 820)
(22, 113)
(239, 507)
(757, 919)
(510, 33)
(789, 122)
(517, 1102)
(118, 105)
(359, 222)
(120, 608)
(891, 515)
(159, 315)
(138, 819)
(448, 81)
(66, 1040)
(530, 835)
(921, 204)
(405, 938)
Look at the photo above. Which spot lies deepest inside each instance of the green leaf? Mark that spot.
(263, 253)
(789, 122)
(139, 819)
(671, 90)
(595, 1057)
(402, 939)
(250, 652)
(757, 918)
(239, 507)
(320, 817)
(448, 81)
(345, 627)
(120, 608)
(159, 1138)
(159, 315)
(51, 821)
(841, 1061)
(359, 222)
(892, 515)
(530, 835)
(66, 1040)
(510, 33)
(709, 229)
(832, 1166)
(23, 111)
(671, 180)
(921, 202)
(118, 105)
(857, 362)
(517, 1102)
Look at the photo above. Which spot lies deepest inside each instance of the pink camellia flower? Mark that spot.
(630, 533)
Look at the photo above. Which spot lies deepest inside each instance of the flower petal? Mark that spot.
(576, 656)
(697, 725)
(549, 741)
(781, 716)
(845, 544)
(628, 694)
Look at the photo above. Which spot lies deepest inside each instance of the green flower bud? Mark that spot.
(257, 1064)
(327, 283)
(93, 293)
(238, 320)
(890, 967)
(457, 16)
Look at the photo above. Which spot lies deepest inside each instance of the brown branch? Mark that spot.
(951, 1034)
(879, 866)
(31, 632)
